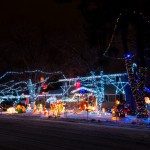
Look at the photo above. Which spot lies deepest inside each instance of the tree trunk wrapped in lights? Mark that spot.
(137, 87)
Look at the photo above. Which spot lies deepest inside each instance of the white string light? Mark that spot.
(11, 87)
(34, 71)
(115, 28)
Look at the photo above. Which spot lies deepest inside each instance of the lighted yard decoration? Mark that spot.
(11, 110)
(96, 84)
(23, 82)
(137, 78)
(20, 109)
(138, 87)
(57, 108)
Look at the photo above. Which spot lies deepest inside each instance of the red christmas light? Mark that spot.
(78, 84)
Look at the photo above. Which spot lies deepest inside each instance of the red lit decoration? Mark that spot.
(44, 86)
(27, 101)
(78, 84)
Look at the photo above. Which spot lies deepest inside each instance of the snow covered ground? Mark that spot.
(106, 117)
(88, 116)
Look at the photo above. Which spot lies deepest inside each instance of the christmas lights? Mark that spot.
(34, 71)
(133, 13)
(96, 84)
(137, 87)
(14, 87)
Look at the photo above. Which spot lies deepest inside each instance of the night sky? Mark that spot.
(67, 35)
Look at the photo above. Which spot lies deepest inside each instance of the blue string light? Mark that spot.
(11, 87)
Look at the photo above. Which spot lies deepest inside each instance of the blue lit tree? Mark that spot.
(16, 87)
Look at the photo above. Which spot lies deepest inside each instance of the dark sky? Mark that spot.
(47, 15)
(48, 35)
(43, 28)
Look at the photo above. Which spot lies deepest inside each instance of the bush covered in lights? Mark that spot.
(20, 109)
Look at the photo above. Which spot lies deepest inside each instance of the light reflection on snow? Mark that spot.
(103, 116)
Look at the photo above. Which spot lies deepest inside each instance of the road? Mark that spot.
(26, 134)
